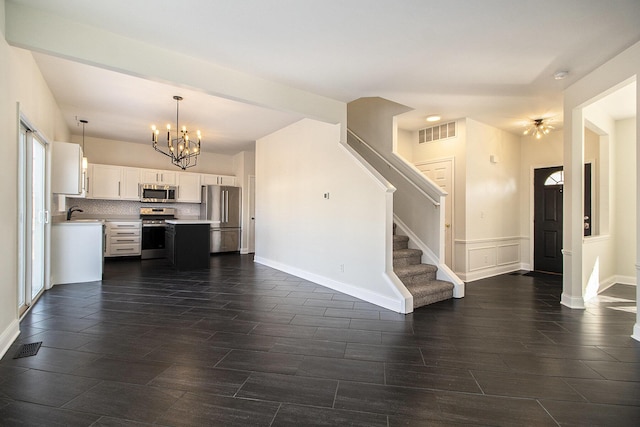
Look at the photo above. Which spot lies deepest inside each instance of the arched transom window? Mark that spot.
(556, 178)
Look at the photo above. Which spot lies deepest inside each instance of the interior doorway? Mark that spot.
(251, 239)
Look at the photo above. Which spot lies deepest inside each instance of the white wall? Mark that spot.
(492, 241)
(625, 197)
(304, 232)
(598, 257)
(20, 82)
(620, 70)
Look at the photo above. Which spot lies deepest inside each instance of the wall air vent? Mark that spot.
(436, 133)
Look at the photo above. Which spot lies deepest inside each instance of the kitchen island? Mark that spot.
(187, 243)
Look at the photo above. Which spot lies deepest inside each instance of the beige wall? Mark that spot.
(487, 218)
(8, 209)
(492, 187)
(625, 197)
(404, 147)
(20, 82)
(534, 154)
(454, 148)
(492, 243)
(244, 167)
(124, 153)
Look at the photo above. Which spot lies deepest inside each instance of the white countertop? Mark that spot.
(76, 222)
(188, 221)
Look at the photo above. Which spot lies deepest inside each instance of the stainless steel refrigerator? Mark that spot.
(221, 204)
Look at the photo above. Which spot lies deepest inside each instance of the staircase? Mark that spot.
(420, 279)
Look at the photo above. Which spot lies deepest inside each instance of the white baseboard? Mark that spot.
(615, 280)
(625, 280)
(397, 305)
(572, 302)
(8, 336)
(636, 332)
(490, 272)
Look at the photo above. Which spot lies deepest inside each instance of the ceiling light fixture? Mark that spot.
(560, 75)
(182, 151)
(85, 161)
(433, 118)
(538, 128)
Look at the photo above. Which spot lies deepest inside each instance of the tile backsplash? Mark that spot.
(96, 207)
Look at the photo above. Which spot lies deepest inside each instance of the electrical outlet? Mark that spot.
(341, 268)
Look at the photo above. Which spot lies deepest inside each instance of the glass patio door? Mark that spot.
(33, 217)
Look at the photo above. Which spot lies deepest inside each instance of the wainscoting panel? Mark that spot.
(508, 254)
(482, 258)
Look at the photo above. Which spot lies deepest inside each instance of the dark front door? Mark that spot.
(587, 199)
(547, 224)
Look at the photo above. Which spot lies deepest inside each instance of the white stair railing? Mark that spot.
(418, 206)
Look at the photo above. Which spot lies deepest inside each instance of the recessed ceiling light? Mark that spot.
(433, 118)
(560, 75)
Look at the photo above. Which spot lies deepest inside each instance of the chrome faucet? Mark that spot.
(71, 210)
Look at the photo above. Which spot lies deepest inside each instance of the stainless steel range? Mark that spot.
(153, 231)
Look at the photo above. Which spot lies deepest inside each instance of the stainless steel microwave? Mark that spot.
(154, 193)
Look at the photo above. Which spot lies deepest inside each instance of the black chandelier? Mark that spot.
(181, 149)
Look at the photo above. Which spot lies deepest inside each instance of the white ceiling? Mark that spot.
(490, 60)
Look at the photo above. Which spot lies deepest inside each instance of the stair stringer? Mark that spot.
(395, 282)
(428, 257)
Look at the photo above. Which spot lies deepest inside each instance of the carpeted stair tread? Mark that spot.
(416, 273)
(419, 279)
(412, 270)
(406, 257)
(430, 287)
(400, 242)
(406, 253)
(430, 292)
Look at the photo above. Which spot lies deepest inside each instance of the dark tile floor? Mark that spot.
(242, 344)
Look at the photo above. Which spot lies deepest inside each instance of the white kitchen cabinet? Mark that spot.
(105, 182)
(209, 179)
(113, 182)
(130, 188)
(152, 176)
(188, 187)
(66, 169)
(76, 252)
(123, 238)
(227, 180)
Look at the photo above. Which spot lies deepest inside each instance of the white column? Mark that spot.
(636, 327)
(572, 293)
